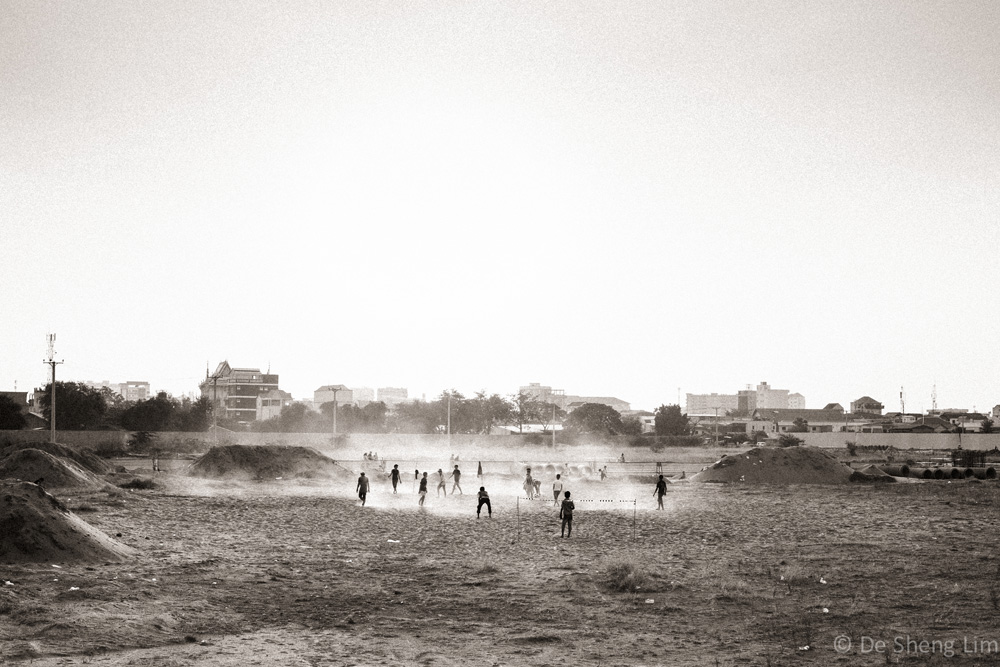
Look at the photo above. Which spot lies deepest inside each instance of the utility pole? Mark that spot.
(449, 422)
(335, 390)
(717, 426)
(553, 426)
(52, 388)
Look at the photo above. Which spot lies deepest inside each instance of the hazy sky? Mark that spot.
(613, 198)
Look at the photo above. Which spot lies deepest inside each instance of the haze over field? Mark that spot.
(630, 200)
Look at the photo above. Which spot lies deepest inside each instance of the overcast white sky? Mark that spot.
(628, 199)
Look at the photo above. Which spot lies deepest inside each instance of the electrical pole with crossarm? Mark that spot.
(51, 361)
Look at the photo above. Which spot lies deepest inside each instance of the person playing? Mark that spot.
(457, 474)
(484, 499)
(394, 476)
(557, 487)
(661, 488)
(529, 485)
(604, 472)
(441, 484)
(566, 514)
(362, 488)
(416, 478)
(423, 488)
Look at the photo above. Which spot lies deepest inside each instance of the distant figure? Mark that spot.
(682, 475)
(536, 485)
(479, 471)
(362, 488)
(623, 457)
(416, 478)
(659, 467)
(529, 484)
(661, 488)
(484, 499)
(604, 472)
(557, 487)
(394, 476)
(441, 484)
(156, 460)
(566, 514)
(457, 475)
(423, 488)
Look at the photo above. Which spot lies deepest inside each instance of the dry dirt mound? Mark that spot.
(37, 528)
(84, 459)
(777, 465)
(266, 462)
(33, 465)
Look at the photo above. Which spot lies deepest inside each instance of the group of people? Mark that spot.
(370, 456)
(531, 487)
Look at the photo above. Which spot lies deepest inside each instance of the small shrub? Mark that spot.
(789, 440)
(138, 483)
(623, 575)
(852, 448)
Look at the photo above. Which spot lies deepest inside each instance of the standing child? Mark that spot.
(457, 475)
(557, 487)
(423, 488)
(362, 488)
(661, 488)
(441, 484)
(394, 476)
(484, 499)
(566, 514)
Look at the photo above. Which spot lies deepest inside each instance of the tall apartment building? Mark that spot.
(363, 396)
(233, 392)
(133, 390)
(703, 405)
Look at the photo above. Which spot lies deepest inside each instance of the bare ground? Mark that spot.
(287, 574)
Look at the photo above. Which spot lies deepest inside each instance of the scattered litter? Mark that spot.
(782, 578)
(8, 583)
(649, 600)
(58, 567)
(215, 583)
(74, 588)
(395, 541)
(822, 580)
(804, 648)
(825, 610)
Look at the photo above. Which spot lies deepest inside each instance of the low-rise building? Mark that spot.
(329, 393)
(271, 403)
(233, 392)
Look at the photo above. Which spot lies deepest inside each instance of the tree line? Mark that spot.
(81, 407)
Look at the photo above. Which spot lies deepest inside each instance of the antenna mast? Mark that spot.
(51, 361)
(902, 402)
(934, 397)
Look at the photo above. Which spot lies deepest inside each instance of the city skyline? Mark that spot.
(639, 200)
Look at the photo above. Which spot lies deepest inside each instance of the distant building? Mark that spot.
(764, 397)
(573, 402)
(20, 399)
(569, 402)
(777, 421)
(363, 396)
(233, 392)
(392, 396)
(545, 394)
(330, 392)
(133, 390)
(867, 405)
(704, 405)
(271, 403)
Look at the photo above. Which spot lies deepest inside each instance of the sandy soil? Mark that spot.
(287, 573)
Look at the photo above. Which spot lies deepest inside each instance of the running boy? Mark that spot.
(566, 514)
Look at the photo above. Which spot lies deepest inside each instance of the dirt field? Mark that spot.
(286, 573)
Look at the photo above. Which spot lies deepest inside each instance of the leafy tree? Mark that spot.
(416, 417)
(153, 414)
(11, 418)
(194, 415)
(489, 411)
(668, 420)
(526, 409)
(987, 426)
(595, 418)
(78, 407)
(799, 425)
(632, 425)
